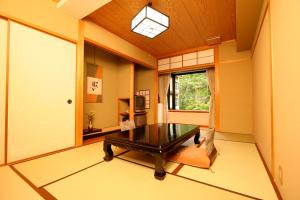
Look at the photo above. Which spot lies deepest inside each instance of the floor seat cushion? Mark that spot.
(192, 155)
(198, 156)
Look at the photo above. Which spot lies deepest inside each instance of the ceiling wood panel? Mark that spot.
(192, 22)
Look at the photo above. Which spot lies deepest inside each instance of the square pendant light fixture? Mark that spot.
(149, 22)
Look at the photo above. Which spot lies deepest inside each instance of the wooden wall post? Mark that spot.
(217, 88)
(79, 86)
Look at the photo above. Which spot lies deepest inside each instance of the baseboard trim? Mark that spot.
(40, 156)
(269, 174)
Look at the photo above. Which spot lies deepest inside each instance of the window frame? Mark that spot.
(173, 78)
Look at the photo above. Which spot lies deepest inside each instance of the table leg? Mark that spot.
(159, 167)
(108, 152)
(196, 138)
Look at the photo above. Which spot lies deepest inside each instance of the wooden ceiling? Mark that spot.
(192, 23)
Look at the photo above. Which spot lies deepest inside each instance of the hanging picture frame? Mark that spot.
(94, 83)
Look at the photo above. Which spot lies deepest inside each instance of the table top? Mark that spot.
(156, 135)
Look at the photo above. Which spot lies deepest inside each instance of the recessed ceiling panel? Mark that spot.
(192, 23)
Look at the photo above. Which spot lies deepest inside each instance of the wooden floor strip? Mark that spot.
(72, 174)
(42, 192)
(177, 169)
(245, 195)
(269, 174)
(79, 171)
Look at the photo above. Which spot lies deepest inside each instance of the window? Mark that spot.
(189, 91)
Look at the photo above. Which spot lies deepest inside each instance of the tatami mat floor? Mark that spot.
(13, 187)
(81, 173)
(45, 170)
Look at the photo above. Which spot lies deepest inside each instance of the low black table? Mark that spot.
(156, 139)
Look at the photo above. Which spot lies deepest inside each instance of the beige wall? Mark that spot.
(285, 32)
(118, 45)
(106, 112)
(279, 28)
(41, 13)
(235, 89)
(144, 80)
(261, 62)
(188, 118)
(123, 80)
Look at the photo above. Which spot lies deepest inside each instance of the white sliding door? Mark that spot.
(41, 81)
(3, 56)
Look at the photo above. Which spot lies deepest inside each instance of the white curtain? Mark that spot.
(163, 86)
(211, 82)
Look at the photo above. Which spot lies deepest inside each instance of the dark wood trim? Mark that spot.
(217, 89)
(134, 162)
(41, 187)
(177, 169)
(79, 171)
(72, 174)
(49, 153)
(47, 195)
(38, 28)
(131, 92)
(79, 85)
(42, 192)
(269, 174)
(188, 68)
(189, 111)
(155, 95)
(40, 156)
(122, 153)
(217, 187)
(174, 91)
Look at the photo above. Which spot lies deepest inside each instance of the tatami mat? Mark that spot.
(119, 179)
(237, 168)
(234, 137)
(12, 187)
(147, 160)
(47, 169)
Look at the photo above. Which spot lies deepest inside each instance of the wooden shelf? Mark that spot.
(124, 113)
(101, 133)
(140, 113)
(123, 108)
(124, 98)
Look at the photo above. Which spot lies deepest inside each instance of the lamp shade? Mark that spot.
(149, 22)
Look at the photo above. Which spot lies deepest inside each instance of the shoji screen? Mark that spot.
(3, 54)
(41, 81)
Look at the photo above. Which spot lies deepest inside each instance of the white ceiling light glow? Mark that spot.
(149, 22)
